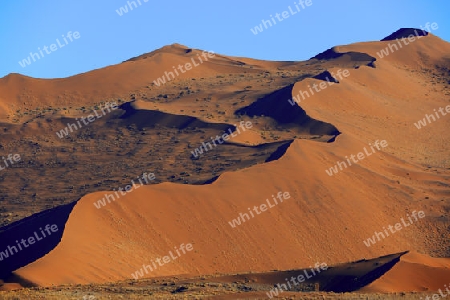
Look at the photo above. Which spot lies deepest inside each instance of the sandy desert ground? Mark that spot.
(361, 110)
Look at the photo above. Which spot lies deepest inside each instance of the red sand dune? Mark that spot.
(111, 243)
(327, 217)
(415, 272)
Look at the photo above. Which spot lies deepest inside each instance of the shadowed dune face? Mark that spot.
(326, 76)
(277, 107)
(404, 33)
(327, 217)
(351, 56)
(147, 118)
(31, 238)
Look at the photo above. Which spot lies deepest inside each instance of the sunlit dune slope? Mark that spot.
(326, 219)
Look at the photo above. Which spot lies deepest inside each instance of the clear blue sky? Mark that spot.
(220, 26)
